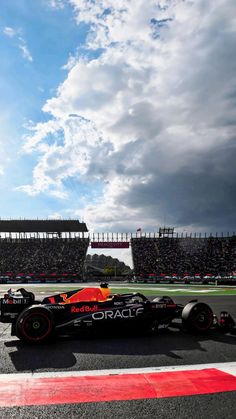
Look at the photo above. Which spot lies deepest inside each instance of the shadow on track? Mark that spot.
(64, 351)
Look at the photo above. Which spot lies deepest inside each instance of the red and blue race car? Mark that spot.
(96, 309)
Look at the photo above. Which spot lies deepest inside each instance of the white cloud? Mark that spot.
(56, 4)
(55, 216)
(59, 194)
(21, 42)
(1, 171)
(10, 32)
(155, 114)
(25, 50)
(81, 145)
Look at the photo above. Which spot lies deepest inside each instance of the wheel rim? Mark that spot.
(203, 320)
(36, 326)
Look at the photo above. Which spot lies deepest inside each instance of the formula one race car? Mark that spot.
(97, 309)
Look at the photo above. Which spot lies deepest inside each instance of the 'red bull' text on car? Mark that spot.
(97, 309)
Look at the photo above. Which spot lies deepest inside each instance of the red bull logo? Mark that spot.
(84, 309)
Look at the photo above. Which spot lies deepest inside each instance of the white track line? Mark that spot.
(228, 367)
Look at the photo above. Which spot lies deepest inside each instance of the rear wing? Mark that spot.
(12, 304)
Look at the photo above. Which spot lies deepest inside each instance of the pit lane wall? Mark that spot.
(203, 280)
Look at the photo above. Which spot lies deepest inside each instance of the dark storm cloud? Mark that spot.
(202, 196)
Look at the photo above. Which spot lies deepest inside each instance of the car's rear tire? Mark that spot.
(35, 325)
(197, 317)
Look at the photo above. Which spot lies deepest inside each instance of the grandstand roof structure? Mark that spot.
(42, 226)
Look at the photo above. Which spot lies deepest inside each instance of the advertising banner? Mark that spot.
(109, 245)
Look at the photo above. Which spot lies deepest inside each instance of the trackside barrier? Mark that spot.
(226, 280)
(4, 279)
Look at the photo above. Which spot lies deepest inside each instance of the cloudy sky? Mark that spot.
(119, 112)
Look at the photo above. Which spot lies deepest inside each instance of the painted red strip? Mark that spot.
(44, 391)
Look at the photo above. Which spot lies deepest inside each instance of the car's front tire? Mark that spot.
(197, 317)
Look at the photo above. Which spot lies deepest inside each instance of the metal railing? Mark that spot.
(111, 237)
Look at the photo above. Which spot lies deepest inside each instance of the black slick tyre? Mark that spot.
(35, 325)
(197, 317)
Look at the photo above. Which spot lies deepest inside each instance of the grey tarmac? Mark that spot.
(168, 348)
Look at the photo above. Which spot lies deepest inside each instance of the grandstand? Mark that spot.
(50, 252)
(214, 255)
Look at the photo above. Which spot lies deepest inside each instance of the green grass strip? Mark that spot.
(146, 290)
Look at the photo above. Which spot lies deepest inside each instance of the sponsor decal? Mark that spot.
(79, 322)
(57, 307)
(12, 315)
(111, 245)
(15, 301)
(158, 305)
(126, 313)
(163, 305)
(84, 309)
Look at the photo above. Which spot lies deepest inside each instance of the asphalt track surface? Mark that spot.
(169, 348)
